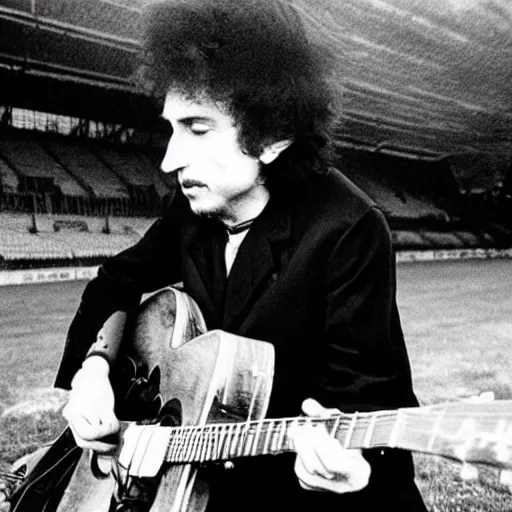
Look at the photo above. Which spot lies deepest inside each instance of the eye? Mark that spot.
(199, 128)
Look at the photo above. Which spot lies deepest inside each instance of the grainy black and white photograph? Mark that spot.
(255, 255)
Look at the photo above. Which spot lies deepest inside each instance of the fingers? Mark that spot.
(322, 464)
(312, 449)
(90, 412)
(311, 407)
(3, 495)
(91, 424)
(90, 427)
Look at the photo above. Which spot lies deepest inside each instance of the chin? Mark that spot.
(207, 212)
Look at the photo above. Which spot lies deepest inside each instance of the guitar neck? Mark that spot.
(463, 431)
(226, 441)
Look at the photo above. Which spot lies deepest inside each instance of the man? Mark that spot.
(272, 244)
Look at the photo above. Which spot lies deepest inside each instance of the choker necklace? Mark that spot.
(238, 228)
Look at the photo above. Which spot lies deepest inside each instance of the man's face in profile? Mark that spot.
(216, 176)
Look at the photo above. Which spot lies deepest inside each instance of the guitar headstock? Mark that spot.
(475, 432)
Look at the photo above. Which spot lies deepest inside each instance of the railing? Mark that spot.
(78, 205)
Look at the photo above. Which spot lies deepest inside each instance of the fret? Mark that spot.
(196, 439)
(179, 446)
(205, 443)
(232, 440)
(170, 446)
(177, 442)
(255, 447)
(275, 437)
(223, 441)
(436, 430)
(198, 443)
(187, 434)
(227, 442)
(190, 445)
(336, 425)
(249, 440)
(282, 435)
(212, 443)
(243, 438)
(184, 444)
(268, 433)
(210, 440)
(369, 432)
(351, 427)
(237, 441)
(393, 437)
(202, 444)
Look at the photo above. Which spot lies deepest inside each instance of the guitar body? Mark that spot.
(202, 377)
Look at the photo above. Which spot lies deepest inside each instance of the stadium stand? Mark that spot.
(69, 245)
(26, 157)
(80, 162)
(9, 181)
(410, 192)
(80, 147)
(138, 172)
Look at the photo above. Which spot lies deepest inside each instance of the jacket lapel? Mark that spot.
(258, 260)
(197, 251)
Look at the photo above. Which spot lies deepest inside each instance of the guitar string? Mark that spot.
(278, 426)
(275, 426)
(274, 431)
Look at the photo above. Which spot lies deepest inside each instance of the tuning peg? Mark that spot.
(468, 471)
(506, 478)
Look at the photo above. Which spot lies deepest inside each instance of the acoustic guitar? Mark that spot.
(208, 393)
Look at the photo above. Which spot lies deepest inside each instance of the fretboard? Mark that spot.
(217, 442)
(463, 431)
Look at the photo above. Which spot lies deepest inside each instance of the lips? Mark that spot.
(185, 184)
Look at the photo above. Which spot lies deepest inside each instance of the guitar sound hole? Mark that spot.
(171, 414)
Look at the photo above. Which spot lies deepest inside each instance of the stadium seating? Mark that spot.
(406, 190)
(79, 161)
(30, 160)
(134, 169)
(8, 180)
(18, 243)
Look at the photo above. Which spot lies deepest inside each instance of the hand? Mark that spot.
(322, 464)
(90, 409)
(5, 493)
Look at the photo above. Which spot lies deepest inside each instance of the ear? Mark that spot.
(272, 151)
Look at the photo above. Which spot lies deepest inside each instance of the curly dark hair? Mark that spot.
(254, 56)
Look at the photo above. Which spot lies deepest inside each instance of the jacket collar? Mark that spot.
(257, 262)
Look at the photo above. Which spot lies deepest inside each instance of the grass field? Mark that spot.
(457, 319)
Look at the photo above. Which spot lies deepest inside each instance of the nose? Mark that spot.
(174, 158)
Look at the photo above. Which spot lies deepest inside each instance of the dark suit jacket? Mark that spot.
(315, 277)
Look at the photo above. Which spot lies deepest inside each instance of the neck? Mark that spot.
(471, 432)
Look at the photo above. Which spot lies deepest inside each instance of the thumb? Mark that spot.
(311, 407)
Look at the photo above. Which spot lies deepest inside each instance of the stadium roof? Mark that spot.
(420, 78)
